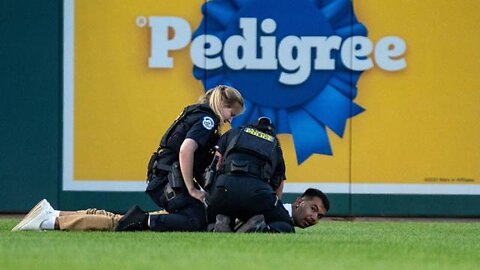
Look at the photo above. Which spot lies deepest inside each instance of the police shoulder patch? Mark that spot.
(208, 122)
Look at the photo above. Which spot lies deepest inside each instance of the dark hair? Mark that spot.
(313, 192)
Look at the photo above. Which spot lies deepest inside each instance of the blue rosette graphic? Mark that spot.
(306, 108)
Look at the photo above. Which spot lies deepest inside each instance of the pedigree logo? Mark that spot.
(297, 62)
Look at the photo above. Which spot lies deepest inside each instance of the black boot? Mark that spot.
(134, 220)
(222, 224)
(255, 224)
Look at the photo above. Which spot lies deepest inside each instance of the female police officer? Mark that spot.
(184, 153)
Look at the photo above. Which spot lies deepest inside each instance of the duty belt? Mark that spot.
(169, 192)
(245, 169)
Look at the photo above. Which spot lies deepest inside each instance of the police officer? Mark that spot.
(250, 176)
(184, 153)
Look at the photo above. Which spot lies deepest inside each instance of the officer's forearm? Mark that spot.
(186, 155)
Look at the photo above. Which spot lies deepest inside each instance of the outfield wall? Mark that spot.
(85, 99)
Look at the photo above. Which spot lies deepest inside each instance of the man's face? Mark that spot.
(307, 211)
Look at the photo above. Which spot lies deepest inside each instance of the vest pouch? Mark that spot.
(177, 136)
(175, 141)
(175, 178)
(151, 166)
(239, 166)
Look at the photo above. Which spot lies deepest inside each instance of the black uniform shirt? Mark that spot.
(204, 132)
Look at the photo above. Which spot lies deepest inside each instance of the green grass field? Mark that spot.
(329, 245)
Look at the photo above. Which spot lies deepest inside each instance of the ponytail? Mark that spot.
(222, 96)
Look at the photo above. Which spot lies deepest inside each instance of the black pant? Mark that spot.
(242, 197)
(185, 212)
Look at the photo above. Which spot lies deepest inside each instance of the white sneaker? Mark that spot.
(32, 221)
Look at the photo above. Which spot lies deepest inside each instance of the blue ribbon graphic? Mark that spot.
(323, 101)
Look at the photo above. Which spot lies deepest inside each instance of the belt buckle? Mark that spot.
(169, 192)
(170, 195)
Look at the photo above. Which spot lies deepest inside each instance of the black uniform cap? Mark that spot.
(264, 124)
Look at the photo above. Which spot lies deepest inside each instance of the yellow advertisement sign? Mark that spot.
(404, 122)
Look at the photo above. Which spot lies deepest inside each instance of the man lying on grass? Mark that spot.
(307, 209)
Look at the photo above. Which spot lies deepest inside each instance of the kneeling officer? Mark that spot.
(251, 171)
(183, 155)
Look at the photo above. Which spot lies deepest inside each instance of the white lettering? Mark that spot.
(387, 49)
(199, 52)
(268, 61)
(324, 47)
(294, 54)
(161, 45)
(355, 51)
(301, 63)
(245, 45)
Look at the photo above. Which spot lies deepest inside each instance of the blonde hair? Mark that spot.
(222, 96)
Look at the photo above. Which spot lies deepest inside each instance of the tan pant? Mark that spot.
(88, 220)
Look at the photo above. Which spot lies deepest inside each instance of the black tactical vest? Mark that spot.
(176, 133)
(252, 151)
